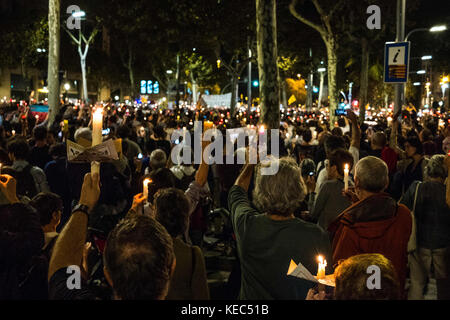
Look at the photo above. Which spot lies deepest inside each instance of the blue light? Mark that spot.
(315, 89)
(156, 87)
(256, 83)
(150, 86)
(143, 87)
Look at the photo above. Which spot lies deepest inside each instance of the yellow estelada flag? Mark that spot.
(292, 99)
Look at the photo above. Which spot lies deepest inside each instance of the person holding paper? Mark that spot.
(268, 238)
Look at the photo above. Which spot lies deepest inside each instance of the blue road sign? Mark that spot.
(396, 62)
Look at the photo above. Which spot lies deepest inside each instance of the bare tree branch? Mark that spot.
(311, 24)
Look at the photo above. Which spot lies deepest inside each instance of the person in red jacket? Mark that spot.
(375, 223)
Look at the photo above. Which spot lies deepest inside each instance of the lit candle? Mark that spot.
(1, 168)
(13, 132)
(321, 268)
(97, 126)
(346, 177)
(145, 187)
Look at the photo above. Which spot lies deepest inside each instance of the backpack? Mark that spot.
(25, 181)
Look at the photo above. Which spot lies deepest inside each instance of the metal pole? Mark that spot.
(249, 87)
(400, 87)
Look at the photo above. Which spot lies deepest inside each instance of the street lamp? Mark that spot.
(421, 72)
(438, 28)
(67, 86)
(427, 57)
(433, 29)
(79, 14)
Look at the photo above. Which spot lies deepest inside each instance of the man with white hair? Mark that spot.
(375, 223)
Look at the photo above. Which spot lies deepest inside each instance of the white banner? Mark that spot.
(219, 100)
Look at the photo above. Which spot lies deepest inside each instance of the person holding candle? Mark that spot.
(375, 223)
(270, 236)
(330, 202)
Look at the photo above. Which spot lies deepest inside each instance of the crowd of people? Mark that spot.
(57, 219)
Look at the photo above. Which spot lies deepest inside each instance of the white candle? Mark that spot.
(13, 132)
(321, 267)
(97, 127)
(346, 177)
(145, 187)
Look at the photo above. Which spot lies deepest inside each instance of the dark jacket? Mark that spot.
(188, 281)
(22, 274)
(376, 224)
(432, 214)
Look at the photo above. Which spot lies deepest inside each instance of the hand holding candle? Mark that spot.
(346, 177)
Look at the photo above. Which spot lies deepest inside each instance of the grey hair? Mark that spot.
(84, 133)
(436, 168)
(281, 193)
(158, 159)
(372, 174)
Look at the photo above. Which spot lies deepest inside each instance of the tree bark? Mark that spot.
(53, 59)
(331, 46)
(84, 79)
(364, 84)
(266, 34)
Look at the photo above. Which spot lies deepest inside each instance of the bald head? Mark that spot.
(371, 174)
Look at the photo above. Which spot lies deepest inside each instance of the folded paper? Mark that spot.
(299, 271)
(103, 152)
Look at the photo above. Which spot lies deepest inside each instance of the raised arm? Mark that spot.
(356, 130)
(69, 246)
(393, 138)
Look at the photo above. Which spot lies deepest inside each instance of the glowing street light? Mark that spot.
(421, 72)
(79, 14)
(67, 86)
(438, 28)
(427, 57)
(416, 83)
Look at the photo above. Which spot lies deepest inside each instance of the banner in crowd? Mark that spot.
(218, 100)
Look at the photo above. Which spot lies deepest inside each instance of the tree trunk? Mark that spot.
(319, 102)
(266, 34)
(53, 59)
(132, 84)
(364, 79)
(84, 79)
(332, 78)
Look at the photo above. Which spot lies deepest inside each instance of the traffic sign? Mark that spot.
(396, 62)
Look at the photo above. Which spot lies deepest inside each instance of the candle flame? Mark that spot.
(346, 166)
(147, 181)
(320, 258)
